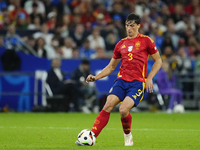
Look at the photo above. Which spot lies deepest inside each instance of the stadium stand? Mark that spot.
(173, 25)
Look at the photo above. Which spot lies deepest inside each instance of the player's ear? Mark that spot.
(138, 26)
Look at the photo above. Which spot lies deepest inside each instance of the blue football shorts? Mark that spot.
(134, 89)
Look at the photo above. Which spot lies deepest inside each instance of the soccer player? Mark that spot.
(131, 82)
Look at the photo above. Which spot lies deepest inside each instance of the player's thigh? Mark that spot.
(111, 102)
(126, 105)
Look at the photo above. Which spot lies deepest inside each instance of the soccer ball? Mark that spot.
(86, 137)
(179, 108)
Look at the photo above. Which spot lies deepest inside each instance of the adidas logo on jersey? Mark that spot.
(124, 46)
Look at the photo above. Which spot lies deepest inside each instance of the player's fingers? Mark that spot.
(88, 79)
(151, 88)
(147, 88)
(92, 78)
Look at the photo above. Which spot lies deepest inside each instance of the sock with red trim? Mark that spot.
(126, 123)
(100, 122)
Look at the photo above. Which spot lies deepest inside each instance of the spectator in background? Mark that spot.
(86, 51)
(153, 12)
(52, 21)
(167, 42)
(141, 8)
(5, 21)
(100, 23)
(3, 5)
(79, 75)
(193, 46)
(197, 76)
(197, 36)
(75, 17)
(36, 14)
(39, 48)
(101, 9)
(195, 18)
(2, 46)
(59, 52)
(165, 13)
(146, 23)
(64, 29)
(31, 41)
(75, 53)
(78, 35)
(117, 9)
(96, 40)
(117, 21)
(21, 22)
(182, 25)
(178, 13)
(40, 7)
(36, 25)
(159, 23)
(12, 39)
(67, 48)
(190, 8)
(189, 33)
(87, 18)
(184, 69)
(166, 83)
(101, 54)
(44, 32)
(51, 48)
(63, 7)
(49, 5)
(156, 36)
(111, 40)
(168, 52)
(18, 10)
(61, 86)
(172, 35)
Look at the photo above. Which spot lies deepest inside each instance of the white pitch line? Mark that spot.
(73, 128)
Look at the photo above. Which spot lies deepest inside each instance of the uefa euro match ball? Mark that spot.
(179, 108)
(86, 137)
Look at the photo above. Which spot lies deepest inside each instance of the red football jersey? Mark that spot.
(134, 53)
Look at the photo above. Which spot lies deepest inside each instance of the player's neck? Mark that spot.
(133, 36)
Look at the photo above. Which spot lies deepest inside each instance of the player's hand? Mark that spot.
(149, 85)
(90, 78)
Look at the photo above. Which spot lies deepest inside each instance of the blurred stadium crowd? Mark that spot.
(91, 28)
(76, 29)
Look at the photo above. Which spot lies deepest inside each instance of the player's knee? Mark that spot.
(123, 111)
(108, 107)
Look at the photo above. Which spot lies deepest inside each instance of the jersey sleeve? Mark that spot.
(152, 49)
(116, 53)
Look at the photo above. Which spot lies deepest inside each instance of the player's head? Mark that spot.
(132, 24)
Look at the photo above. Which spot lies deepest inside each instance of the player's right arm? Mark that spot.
(105, 72)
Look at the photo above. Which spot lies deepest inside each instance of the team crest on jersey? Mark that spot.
(130, 48)
(137, 44)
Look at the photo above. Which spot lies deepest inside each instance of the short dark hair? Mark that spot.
(85, 61)
(34, 5)
(133, 17)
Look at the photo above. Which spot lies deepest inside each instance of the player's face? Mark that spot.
(132, 28)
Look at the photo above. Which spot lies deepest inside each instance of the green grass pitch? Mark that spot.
(58, 131)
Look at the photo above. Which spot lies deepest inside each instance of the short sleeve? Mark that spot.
(116, 53)
(152, 49)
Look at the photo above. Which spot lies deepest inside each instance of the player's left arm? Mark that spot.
(156, 66)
